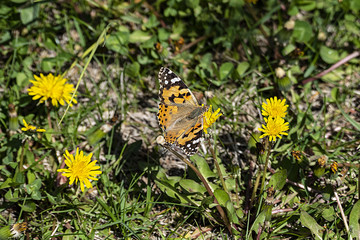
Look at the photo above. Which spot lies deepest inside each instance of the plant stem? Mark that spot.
(265, 168)
(21, 163)
(218, 168)
(218, 207)
(256, 185)
(341, 211)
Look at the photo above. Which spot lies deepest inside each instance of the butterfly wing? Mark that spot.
(180, 116)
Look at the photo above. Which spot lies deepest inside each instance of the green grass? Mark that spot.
(228, 53)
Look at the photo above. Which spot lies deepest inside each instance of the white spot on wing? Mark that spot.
(174, 80)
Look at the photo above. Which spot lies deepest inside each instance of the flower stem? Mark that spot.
(21, 163)
(265, 168)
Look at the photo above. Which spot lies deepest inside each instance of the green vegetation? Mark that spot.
(238, 54)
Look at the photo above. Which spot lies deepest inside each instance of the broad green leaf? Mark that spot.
(163, 35)
(36, 195)
(259, 221)
(334, 94)
(302, 31)
(242, 67)
(351, 27)
(21, 79)
(335, 75)
(6, 183)
(306, 5)
(230, 183)
(354, 221)
(203, 166)
(47, 64)
(329, 55)
(29, 206)
(225, 70)
(117, 42)
(4, 10)
(133, 70)
(284, 83)
(288, 49)
(328, 214)
(192, 186)
(309, 222)
(31, 177)
(278, 180)
(139, 36)
(29, 14)
(131, 18)
(231, 212)
(221, 196)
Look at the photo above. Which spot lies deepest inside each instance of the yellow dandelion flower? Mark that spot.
(334, 167)
(275, 127)
(18, 228)
(56, 88)
(27, 126)
(274, 108)
(14, 232)
(210, 117)
(81, 169)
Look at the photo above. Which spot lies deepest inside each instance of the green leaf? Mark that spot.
(31, 177)
(225, 70)
(329, 55)
(329, 214)
(29, 206)
(6, 183)
(306, 5)
(278, 180)
(221, 196)
(36, 195)
(351, 27)
(288, 49)
(21, 79)
(259, 221)
(192, 186)
(29, 14)
(133, 70)
(335, 75)
(284, 83)
(203, 166)
(309, 222)
(354, 220)
(163, 35)
(231, 212)
(302, 31)
(242, 67)
(139, 36)
(47, 64)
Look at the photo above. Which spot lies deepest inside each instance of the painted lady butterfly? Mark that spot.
(180, 116)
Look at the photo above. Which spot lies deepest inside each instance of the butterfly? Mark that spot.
(180, 116)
